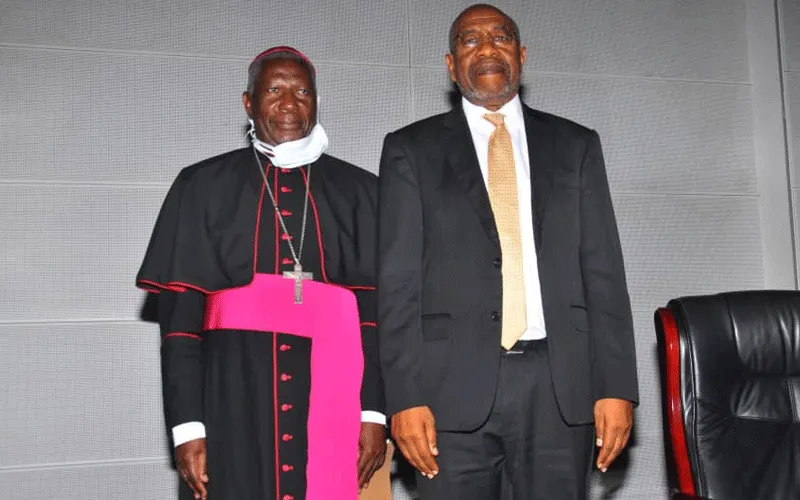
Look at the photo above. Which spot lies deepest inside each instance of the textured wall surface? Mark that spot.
(790, 29)
(102, 102)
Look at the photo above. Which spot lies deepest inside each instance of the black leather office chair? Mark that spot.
(730, 370)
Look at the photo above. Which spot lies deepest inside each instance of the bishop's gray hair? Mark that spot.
(255, 68)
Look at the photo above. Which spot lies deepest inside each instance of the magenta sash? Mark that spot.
(329, 317)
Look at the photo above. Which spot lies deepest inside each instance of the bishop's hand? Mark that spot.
(192, 466)
(371, 451)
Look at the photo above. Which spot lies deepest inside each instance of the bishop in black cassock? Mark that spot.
(247, 384)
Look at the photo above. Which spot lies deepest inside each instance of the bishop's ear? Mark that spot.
(248, 104)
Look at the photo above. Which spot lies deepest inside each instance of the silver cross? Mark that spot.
(298, 276)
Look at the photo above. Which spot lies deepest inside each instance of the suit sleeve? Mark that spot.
(399, 277)
(605, 288)
(180, 316)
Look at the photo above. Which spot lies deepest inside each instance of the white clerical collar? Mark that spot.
(512, 110)
(292, 154)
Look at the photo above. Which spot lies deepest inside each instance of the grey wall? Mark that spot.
(103, 101)
(790, 28)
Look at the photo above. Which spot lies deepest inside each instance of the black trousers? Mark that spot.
(524, 450)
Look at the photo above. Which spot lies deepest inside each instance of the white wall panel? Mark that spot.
(146, 481)
(72, 252)
(102, 102)
(659, 136)
(678, 39)
(792, 89)
(122, 118)
(80, 392)
(333, 30)
(687, 245)
(790, 10)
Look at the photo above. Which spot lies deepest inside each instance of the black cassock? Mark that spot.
(207, 233)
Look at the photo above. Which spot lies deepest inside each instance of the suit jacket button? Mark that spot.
(496, 316)
(496, 262)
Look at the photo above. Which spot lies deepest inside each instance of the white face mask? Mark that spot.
(293, 153)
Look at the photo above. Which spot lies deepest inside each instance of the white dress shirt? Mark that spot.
(481, 129)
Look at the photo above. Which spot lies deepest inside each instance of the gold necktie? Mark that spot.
(504, 198)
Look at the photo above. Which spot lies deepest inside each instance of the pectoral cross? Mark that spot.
(298, 276)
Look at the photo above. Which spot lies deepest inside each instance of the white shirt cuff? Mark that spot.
(374, 417)
(189, 431)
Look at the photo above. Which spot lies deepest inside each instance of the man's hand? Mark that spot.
(613, 419)
(371, 451)
(414, 430)
(191, 460)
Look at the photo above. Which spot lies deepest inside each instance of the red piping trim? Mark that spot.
(677, 429)
(182, 334)
(275, 409)
(319, 242)
(258, 221)
(277, 223)
(316, 225)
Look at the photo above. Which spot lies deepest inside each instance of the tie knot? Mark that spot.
(495, 118)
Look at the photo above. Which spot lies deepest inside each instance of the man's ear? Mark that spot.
(451, 66)
(248, 104)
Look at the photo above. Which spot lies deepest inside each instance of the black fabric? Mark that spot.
(740, 389)
(440, 272)
(204, 241)
(523, 451)
(203, 236)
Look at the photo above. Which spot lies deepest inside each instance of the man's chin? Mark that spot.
(485, 95)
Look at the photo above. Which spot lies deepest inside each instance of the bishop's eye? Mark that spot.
(304, 91)
(272, 90)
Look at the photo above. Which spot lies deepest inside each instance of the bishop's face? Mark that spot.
(486, 62)
(284, 102)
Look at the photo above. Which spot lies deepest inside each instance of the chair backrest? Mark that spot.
(730, 366)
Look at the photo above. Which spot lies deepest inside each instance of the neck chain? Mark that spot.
(299, 253)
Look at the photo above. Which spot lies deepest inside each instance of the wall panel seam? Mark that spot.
(85, 464)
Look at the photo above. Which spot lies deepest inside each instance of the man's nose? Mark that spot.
(288, 101)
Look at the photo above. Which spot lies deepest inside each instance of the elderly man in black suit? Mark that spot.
(505, 331)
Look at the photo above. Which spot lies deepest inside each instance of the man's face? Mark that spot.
(487, 60)
(284, 102)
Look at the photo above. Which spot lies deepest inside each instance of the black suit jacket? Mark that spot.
(440, 281)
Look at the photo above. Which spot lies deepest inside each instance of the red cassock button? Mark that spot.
(285, 377)
(287, 437)
(286, 213)
(285, 189)
(286, 261)
(285, 237)
(286, 407)
(288, 497)
(286, 347)
(287, 468)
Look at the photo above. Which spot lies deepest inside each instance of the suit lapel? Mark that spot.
(540, 160)
(463, 163)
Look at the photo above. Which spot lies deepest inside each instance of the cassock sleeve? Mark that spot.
(180, 315)
(366, 214)
(372, 396)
